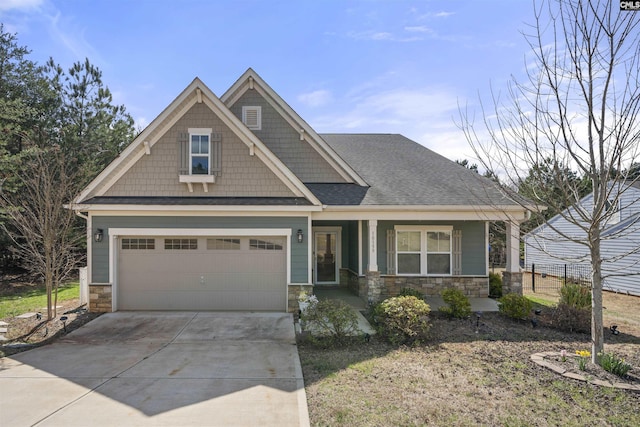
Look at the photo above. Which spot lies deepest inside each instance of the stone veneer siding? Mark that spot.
(100, 298)
(472, 286)
(511, 282)
(293, 292)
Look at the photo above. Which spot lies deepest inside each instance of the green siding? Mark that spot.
(473, 243)
(299, 252)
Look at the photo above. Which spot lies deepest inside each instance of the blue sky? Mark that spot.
(344, 66)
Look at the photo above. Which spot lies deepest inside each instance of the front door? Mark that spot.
(327, 250)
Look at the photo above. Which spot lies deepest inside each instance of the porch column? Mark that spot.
(373, 245)
(512, 277)
(374, 281)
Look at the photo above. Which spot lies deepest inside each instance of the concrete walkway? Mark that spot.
(160, 369)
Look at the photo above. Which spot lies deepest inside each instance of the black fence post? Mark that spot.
(533, 278)
(565, 274)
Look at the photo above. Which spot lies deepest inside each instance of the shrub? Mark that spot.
(575, 295)
(612, 363)
(571, 319)
(332, 319)
(458, 304)
(410, 292)
(402, 320)
(495, 285)
(515, 306)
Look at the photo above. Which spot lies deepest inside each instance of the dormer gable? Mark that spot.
(285, 133)
(197, 147)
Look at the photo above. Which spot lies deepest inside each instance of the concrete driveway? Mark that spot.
(160, 369)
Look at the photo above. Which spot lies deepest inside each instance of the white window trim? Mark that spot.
(258, 110)
(423, 229)
(200, 132)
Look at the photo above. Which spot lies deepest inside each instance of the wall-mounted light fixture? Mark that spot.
(300, 236)
(97, 236)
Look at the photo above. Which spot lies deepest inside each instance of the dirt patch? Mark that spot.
(33, 331)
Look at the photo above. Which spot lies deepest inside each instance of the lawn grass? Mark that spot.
(33, 299)
(466, 376)
(540, 301)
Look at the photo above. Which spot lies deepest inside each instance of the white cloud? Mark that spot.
(443, 14)
(424, 114)
(73, 39)
(419, 29)
(20, 4)
(316, 98)
(380, 36)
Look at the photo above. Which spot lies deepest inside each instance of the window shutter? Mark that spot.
(183, 153)
(457, 252)
(391, 251)
(216, 154)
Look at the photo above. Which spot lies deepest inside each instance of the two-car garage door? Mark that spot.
(202, 273)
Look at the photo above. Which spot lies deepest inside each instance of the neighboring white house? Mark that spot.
(620, 247)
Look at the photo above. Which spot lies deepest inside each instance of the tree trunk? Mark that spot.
(597, 334)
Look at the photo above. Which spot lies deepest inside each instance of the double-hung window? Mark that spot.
(423, 250)
(199, 151)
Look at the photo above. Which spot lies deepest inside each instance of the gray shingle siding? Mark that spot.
(284, 141)
(100, 251)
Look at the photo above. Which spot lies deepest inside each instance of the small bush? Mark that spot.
(568, 318)
(575, 295)
(402, 320)
(458, 304)
(495, 285)
(515, 306)
(612, 363)
(332, 319)
(410, 292)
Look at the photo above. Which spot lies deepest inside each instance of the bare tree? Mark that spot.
(579, 108)
(38, 223)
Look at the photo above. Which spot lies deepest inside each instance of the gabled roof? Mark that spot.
(251, 80)
(402, 172)
(195, 92)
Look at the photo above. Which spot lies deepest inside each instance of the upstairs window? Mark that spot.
(252, 117)
(199, 151)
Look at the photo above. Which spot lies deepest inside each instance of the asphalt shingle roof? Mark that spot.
(400, 171)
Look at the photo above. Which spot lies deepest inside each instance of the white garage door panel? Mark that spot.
(203, 279)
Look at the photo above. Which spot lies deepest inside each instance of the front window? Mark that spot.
(199, 154)
(438, 252)
(423, 251)
(409, 252)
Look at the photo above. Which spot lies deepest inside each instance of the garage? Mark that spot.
(201, 273)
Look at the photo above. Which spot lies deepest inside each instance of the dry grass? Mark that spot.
(464, 377)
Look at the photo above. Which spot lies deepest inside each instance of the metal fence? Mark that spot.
(551, 277)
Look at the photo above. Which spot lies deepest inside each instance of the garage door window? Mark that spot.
(223, 244)
(266, 244)
(180, 244)
(138, 243)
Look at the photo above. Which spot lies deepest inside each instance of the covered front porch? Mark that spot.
(375, 258)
